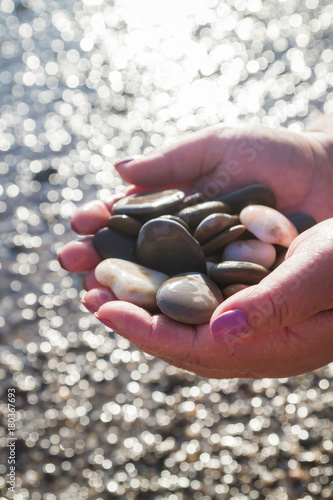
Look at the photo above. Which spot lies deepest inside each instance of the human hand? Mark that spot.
(294, 166)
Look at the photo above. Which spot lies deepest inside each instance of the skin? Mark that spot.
(290, 313)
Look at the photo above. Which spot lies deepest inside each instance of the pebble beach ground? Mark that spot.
(83, 84)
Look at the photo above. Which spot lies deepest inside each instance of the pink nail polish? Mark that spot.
(106, 322)
(126, 160)
(89, 307)
(229, 326)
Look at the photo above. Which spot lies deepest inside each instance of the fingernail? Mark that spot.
(105, 322)
(89, 307)
(230, 326)
(126, 160)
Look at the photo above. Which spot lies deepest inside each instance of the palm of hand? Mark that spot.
(220, 160)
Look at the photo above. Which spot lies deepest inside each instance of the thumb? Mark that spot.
(184, 161)
(296, 290)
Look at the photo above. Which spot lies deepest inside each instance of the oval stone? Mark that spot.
(230, 290)
(268, 225)
(130, 282)
(195, 214)
(189, 298)
(168, 247)
(125, 224)
(213, 225)
(256, 251)
(220, 241)
(302, 222)
(232, 272)
(175, 219)
(144, 206)
(255, 194)
(111, 243)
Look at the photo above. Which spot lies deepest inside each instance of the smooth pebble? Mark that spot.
(144, 206)
(268, 225)
(255, 194)
(221, 240)
(130, 282)
(232, 272)
(212, 225)
(256, 251)
(195, 214)
(189, 298)
(168, 247)
(111, 243)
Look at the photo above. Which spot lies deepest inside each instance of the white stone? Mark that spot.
(268, 225)
(130, 282)
(256, 251)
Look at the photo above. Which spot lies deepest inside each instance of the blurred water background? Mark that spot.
(82, 84)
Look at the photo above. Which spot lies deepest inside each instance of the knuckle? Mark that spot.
(273, 308)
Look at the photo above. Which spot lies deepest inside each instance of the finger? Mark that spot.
(89, 281)
(96, 297)
(79, 256)
(299, 288)
(192, 347)
(90, 217)
(183, 162)
(94, 215)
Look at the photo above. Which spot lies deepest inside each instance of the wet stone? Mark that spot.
(189, 298)
(268, 225)
(232, 272)
(217, 244)
(168, 247)
(195, 214)
(125, 224)
(147, 205)
(255, 194)
(213, 225)
(256, 251)
(130, 282)
(111, 243)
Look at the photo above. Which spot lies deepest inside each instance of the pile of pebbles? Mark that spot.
(183, 255)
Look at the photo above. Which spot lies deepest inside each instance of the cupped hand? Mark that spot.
(282, 334)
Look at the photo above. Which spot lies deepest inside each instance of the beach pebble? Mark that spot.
(212, 225)
(232, 272)
(302, 222)
(125, 224)
(230, 290)
(195, 214)
(268, 225)
(144, 206)
(256, 251)
(168, 247)
(111, 243)
(189, 298)
(221, 240)
(130, 282)
(255, 194)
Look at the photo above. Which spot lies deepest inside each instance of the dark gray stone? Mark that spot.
(166, 246)
(125, 224)
(233, 272)
(189, 298)
(217, 244)
(212, 225)
(255, 194)
(302, 222)
(111, 243)
(195, 214)
(145, 206)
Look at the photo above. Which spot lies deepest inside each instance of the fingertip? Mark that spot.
(96, 297)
